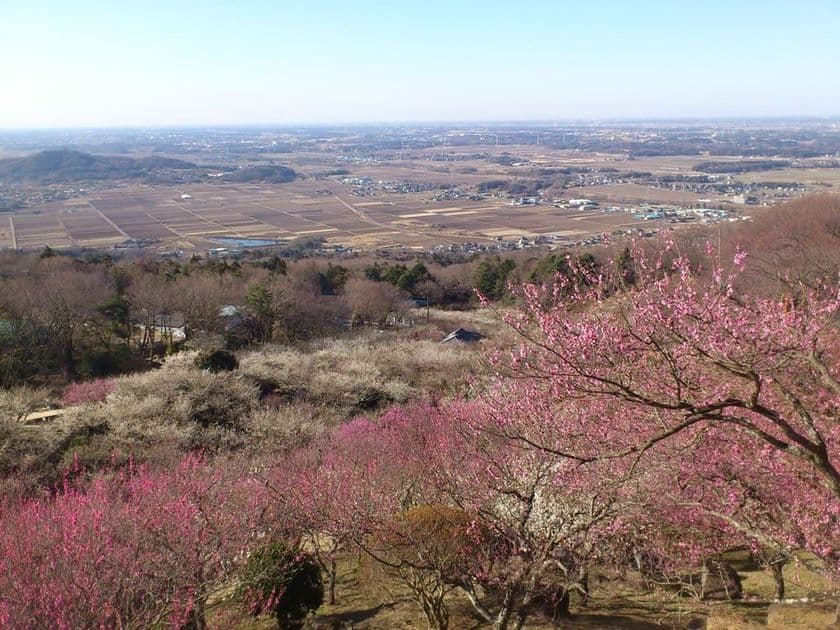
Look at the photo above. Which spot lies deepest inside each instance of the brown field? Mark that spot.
(635, 193)
(825, 178)
(291, 211)
(7, 231)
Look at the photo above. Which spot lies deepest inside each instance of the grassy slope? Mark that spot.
(368, 604)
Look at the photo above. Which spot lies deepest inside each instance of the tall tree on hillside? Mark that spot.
(492, 275)
(371, 301)
(152, 302)
(200, 298)
(259, 300)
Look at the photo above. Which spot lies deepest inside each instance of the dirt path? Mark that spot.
(12, 232)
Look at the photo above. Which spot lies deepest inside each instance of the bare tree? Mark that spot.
(371, 301)
(200, 298)
(150, 300)
(61, 302)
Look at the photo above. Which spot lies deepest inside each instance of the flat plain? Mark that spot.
(395, 199)
(289, 211)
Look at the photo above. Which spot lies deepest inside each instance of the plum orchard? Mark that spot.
(660, 423)
(653, 419)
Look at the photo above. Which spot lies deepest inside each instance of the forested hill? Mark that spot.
(273, 174)
(65, 165)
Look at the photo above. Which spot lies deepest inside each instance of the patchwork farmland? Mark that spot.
(190, 215)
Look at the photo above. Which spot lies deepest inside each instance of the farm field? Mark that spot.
(189, 215)
(637, 193)
(826, 178)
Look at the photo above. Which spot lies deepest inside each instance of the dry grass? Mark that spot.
(484, 321)
(815, 616)
(800, 582)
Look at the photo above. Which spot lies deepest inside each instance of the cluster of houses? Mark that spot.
(171, 328)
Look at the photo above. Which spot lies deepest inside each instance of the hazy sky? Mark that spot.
(146, 63)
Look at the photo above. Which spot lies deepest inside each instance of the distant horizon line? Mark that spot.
(500, 122)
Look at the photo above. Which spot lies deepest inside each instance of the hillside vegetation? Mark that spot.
(647, 435)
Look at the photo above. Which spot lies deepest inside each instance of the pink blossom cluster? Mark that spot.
(86, 392)
(131, 547)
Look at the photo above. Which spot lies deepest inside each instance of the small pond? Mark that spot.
(236, 241)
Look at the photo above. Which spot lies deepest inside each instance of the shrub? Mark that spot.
(195, 409)
(287, 426)
(360, 374)
(330, 377)
(281, 581)
(189, 396)
(101, 363)
(427, 548)
(217, 361)
(21, 447)
(86, 392)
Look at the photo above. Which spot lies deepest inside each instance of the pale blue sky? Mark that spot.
(117, 63)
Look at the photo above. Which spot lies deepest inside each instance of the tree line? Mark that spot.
(90, 316)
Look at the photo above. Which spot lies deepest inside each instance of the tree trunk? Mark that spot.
(503, 617)
(527, 601)
(719, 579)
(152, 343)
(331, 583)
(435, 610)
(562, 608)
(776, 567)
(67, 365)
(583, 586)
(558, 607)
(469, 591)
